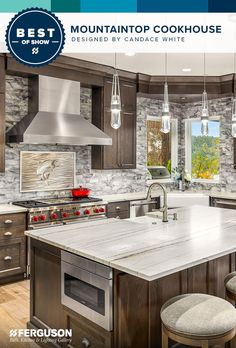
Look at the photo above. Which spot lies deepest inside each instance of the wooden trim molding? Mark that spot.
(89, 74)
(185, 89)
(182, 89)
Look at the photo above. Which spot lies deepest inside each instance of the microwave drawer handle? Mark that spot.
(85, 342)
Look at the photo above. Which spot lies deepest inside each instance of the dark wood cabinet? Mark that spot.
(127, 141)
(2, 113)
(122, 153)
(118, 210)
(137, 302)
(46, 309)
(12, 247)
(86, 334)
(12, 258)
(222, 203)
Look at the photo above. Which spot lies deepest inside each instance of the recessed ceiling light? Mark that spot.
(186, 69)
(130, 54)
(232, 17)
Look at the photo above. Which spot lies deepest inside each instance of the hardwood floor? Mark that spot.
(14, 312)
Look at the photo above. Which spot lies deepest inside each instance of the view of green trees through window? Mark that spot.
(205, 151)
(158, 145)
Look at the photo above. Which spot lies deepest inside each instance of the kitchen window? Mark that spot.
(203, 152)
(162, 149)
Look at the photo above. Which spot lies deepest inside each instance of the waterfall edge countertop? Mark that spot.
(146, 250)
(11, 209)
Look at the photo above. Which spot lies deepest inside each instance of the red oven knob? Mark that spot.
(102, 210)
(96, 210)
(42, 217)
(65, 215)
(77, 213)
(86, 212)
(35, 218)
(54, 216)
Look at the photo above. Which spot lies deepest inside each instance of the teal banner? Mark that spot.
(121, 6)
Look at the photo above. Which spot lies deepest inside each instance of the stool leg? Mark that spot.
(204, 344)
(164, 338)
(233, 342)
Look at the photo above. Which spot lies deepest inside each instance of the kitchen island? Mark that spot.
(151, 262)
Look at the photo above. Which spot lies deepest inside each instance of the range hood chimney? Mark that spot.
(54, 116)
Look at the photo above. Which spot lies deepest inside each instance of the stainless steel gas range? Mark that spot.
(60, 211)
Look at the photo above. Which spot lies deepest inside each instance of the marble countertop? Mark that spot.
(11, 209)
(146, 247)
(223, 195)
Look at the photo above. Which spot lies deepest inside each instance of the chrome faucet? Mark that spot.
(164, 209)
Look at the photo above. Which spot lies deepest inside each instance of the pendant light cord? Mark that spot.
(115, 63)
(166, 62)
(204, 76)
(234, 74)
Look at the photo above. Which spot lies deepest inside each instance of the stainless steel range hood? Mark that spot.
(57, 119)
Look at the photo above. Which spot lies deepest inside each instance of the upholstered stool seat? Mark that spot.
(230, 284)
(191, 318)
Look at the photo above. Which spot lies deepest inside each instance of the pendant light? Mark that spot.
(205, 112)
(234, 103)
(115, 101)
(165, 118)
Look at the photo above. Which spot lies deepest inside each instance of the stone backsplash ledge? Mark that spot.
(109, 181)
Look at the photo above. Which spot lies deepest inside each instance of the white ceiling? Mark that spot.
(153, 63)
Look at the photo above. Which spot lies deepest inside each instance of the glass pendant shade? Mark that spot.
(165, 118)
(205, 114)
(234, 118)
(165, 123)
(115, 103)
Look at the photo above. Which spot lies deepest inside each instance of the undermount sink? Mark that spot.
(185, 199)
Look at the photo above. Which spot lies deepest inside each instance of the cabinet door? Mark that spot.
(128, 96)
(127, 141)
(122, 153)
(110, 152)
(87, 334)
(131, 309)
(107, 93)
(46, 307)
(12, 257)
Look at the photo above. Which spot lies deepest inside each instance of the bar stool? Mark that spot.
(198, 320)
(230, 285)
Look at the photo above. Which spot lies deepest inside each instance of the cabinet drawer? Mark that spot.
(118, 206)
(12, 220)
(12, 257)
(119, 215)
(86, 335)
(9, 233)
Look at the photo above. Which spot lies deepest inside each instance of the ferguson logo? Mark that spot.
(31, 333)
